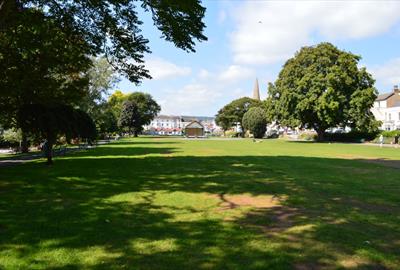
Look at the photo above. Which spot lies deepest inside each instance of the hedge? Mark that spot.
(352, 136)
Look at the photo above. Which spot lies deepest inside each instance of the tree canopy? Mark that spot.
(113, 27)
(233, 112)
(147, 107)
(130, 116)
(322, 87)
(51, 121)
(254, 120)
(39, 63)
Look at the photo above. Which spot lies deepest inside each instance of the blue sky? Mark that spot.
(249, 39)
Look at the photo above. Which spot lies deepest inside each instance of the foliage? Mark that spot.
(322, 87)
(308, 136)
(161, 204)
(233, 112)
(106, 122)
(231, 134)
(101, 78)
(52, 121)
(40, 62)
(147, 108)
(12, 136)
(112, 27)
(254, 121)
(130, 115)
(115, 102)
(352, 136)
(84, 126)
(390, 133)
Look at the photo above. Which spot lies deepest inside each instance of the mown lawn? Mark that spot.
(159, 203)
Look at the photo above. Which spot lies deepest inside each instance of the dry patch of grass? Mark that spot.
(230, 201)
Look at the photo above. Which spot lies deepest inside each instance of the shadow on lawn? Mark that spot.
(333, 208)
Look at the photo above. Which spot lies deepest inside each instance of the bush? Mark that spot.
(390, 134)
(308, 136)
(352, 136)
(231, 134)
(12, 136)
(254, 121)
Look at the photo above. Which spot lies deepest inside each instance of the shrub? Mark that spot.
(308, 136)
(352, 136)
(231, 133)
(254, 121)
(391, 133)
(12, 136)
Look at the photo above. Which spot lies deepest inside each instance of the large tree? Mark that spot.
(40, 62)
(254, 120)
(51, 121)
(147, 108)
(113, 27)
(323, 87)
(130, 116)
(44, 44)
(102, 79)
(232, 113)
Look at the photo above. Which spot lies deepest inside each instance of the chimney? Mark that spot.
(396, 89)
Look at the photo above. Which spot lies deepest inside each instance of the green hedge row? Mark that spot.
(352, 136)
(390, 134)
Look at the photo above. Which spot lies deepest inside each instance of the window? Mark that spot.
(390, 116)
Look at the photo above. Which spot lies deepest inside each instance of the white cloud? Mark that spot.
(162, 69)
(267, 32)
(236, 73)
(191, 99)
(387, 73)
(204, 74)
(221, 16)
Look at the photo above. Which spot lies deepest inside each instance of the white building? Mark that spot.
(387, 109)
(175, 125)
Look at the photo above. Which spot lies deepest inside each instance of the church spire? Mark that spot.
(256, 91)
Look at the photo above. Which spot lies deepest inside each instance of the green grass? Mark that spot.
(159, 203)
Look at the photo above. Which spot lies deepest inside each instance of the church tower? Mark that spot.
(256, 91)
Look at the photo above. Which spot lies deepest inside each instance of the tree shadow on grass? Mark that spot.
(143, 213)
(144, 141)
(114, 152)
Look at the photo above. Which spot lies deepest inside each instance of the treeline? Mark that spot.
(51, 84)
(320, 88)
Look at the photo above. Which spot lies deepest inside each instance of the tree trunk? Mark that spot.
(135, 133)
(320, 134)
(24, 143)
(49, 148)
(49, 153)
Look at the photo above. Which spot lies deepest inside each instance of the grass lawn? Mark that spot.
(167, 203)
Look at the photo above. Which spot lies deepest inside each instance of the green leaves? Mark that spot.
(233, 112)
(254, 120)
(137, 109)
(322, 87)
(113, 27)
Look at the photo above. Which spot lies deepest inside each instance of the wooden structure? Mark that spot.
(194, 129)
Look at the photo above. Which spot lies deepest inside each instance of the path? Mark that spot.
(14, 160)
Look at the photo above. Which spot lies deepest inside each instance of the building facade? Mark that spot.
(387, 109)
(175, 125)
